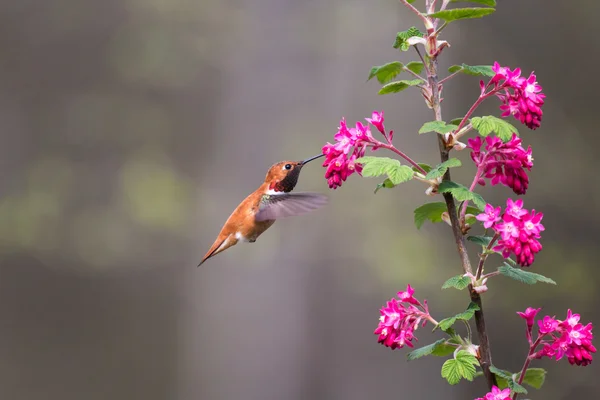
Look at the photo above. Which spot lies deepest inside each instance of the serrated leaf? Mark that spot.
(415, 66)
(461, 193)
(437, 126)
(426, 167)
(455, 121)
(505, 379)
(534, 377)
(429, 211)
(402, 37)
(462, 366)
(484, 241)
(491, 3)
(385, 72)
(475, 70)
(441, 169)
(458, 282)
(462, 13)
(488, 124)
(464, 316)
(425, 350)
(398, 86)
(523, 276)
(385, 184)
(377, 166)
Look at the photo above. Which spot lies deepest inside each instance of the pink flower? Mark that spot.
(400, 318)
(350, 144)
(490, 216)
(377, 121)
(529, 316)
(565, 338)
(521, 97)
(496, 394)
(518, 230)
(501, 162)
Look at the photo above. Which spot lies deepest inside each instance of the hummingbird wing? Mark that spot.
(288, 205)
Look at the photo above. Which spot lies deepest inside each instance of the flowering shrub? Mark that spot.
(513, 233)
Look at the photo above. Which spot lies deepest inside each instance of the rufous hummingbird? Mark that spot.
(271, 201)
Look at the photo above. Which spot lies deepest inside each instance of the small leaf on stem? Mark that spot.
(377, 166)
(398, 86)
(437, 126)
(462, 13)
(520, 275)
(441, 169)
(534, 377)
(385, 184)
(505, 379)
(488, 124)
(458, 282)
(429, 211)
(484, 241)
(464, 316)
(475, 70)
(415, 66)
(462, 193)
(461, 366)
(385, 72)
(440, 348)
(402, 37)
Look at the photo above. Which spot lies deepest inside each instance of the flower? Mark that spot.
(400, 318)
(518, 230)
(496, 394)
(564, 338)
(521, 97)
(350, 144)
(529, 316)
(501, 162)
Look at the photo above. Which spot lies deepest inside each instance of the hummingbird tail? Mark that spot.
(221, 244)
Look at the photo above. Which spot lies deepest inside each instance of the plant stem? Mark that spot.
(484, 345)
(463, 211)
(527, 362)
(484, 256)
(401, 154)
(419, 14)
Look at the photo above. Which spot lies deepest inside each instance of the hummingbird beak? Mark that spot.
(310, 159)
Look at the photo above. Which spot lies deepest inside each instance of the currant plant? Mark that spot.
(511, 234)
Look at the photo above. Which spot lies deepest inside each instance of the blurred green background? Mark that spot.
(130, 129)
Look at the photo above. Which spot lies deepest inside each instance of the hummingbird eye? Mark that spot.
(288, 166)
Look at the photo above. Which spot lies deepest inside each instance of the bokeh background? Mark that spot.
(130, 129)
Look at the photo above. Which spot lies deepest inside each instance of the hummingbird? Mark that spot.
(271, 201)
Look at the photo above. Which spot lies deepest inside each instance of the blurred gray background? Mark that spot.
(130, 129)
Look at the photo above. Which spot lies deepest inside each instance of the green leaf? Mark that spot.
(462, 13)
(484, 241)
(491, 3)
(475, 70)
(462, 366)
(441, 169)
(437, 126)
(488, 124)
(402, 37)
(471, 211)
(455, 121)
(385, 72)
(464, 316)
(415, 66)
(385, 184)
(458, 282)
(429, 211)
(505, 379)
(534, 377)
(461, 193)
(398, 86)
(523, 276)
(426, 167)
(377, 166)
(440, 348)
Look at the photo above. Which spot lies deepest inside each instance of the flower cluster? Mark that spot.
(496, 394)
(519, 230)
(350, 144)
(521, 97)
(501, 162)
(400, 318)
(561, 338)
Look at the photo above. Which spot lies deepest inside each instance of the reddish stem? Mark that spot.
(527, 362)
(391, 147)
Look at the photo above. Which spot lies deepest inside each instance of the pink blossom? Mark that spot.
(490, 216)
(350, 144)
(521, 97)
(529, 316)
(501, 162)
(518, 230)
(567, 338)
(400, 318)
(496, 394)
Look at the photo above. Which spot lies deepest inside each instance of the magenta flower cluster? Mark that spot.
(350, 144)
(400, 318)
(567, 338)
(501, 162)
(496, 394)
(521, 97)
(518, 230)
